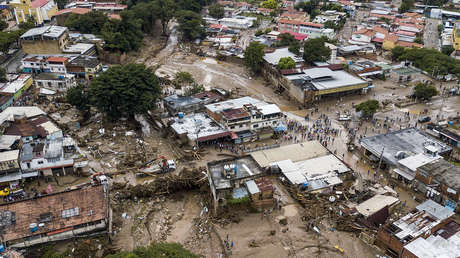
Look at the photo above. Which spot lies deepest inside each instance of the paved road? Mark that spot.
(431, 35)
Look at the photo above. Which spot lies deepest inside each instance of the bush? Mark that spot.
(286, 63)
(368, 108)
(425, 91)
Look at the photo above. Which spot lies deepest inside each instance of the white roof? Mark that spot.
(418, 160)
(47, 31)
(321, 166)
(274, 58)
(9, 155)
(7, 140)
(199, 122)
(435, 247)
(79, 47)
(252, 187)
(8, 114)
(375, 204)
(269, 109)
(16, 85)
(233, 103)
(50, 128)
(295, 152)
(337, 78)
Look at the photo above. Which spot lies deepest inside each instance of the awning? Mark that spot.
(404, 174)
(280, 128)
(31, 174)
(10, 177)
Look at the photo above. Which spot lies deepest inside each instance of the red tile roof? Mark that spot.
(57, 59)
(73, 10)
(298, 36)
(39, 3)
(311, 24)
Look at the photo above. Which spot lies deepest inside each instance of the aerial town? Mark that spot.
(229, 128)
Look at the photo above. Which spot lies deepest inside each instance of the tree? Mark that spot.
(164, 10)
(91, 22)
(78, 97)
(123, 35)
(447, 50)
(419, 40)
(147, 12)
(253, 56)
(315, 50)
(2, 74)
(270, 4)
(330, 25)
(368, 108)
(190, 5)
(333, 6)
(3, 25)
(396, 52)
(216, 10)
(194, 89)
(425, 91)
(286, 63)
(182, 78)
(125, 90)
(190, 24)
(166, 250)
(406, 5)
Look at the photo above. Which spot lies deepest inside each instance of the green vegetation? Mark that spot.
(190, 24)
(368, 108)
(216, 10)
(91, 22)
(8, 38)
(270, 4)
(125, 90)
(164, 10)
(425, 91)
(447, 50)
(253, 56)
(289, 40)
(440, 28)
(166, 250)
(332, 6)
(406, 5)
(430, 60)
(2, 74)
(239, 201)
(3, 25)
(316, 50)
(419, 40)
(286, 63)
(78, 97)
(194, 89)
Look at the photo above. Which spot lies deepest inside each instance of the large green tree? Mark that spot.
(164, 10)
(216, 10)
(191, 25)
(123, 35)
(78, 97)
(166, 250)
(396, 52)
(3, 25)
(91, 22)
(270, 4)
(2, 74)
(425, 91)
(286, 63)
(316, 50)
(406, 5)
(368, 108)
(253, 56)
(125, 90)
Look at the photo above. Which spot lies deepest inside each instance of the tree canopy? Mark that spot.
(91, 22)
(315, 50)
(125, 90)
(164, 10)
(253, 56)
(270, 4)
(406, 5)
(166, 250)
(8, 38)
(286, 63)
(368, 108)
(3, 25)
(190, 24)
(430, 60)
(216, 10)
(2, 74)
(78, 97)
(425, 91)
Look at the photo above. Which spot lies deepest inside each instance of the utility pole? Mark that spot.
(380, 161)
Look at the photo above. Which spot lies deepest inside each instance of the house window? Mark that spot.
(60, 84)
(49, 84)
(257, 125)
(28, 165)
(40, 162)
(232, 127)
(70, 213)
(40, 84)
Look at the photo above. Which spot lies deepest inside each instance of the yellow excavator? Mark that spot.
(5, 192)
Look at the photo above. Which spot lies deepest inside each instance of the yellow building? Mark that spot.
(456, 36)
(41, 10)
(45, 40)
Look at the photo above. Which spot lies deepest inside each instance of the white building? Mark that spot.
(55, 81)
(238, 22)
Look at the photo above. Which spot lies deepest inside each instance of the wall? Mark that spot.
(388, 45)
(41, 46)
(25, 87)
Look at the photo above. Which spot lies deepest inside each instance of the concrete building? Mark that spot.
(84, 66)
(55, 81)
(397, 145)
(13, 91)
(308, 165)
(41, 10)
(45, 40)
(312, 84)
(377, 209)
(10, 173)
(244, 115)
(56, 216)
(440, 181)
(185, 104)
(199, 128)
(313, 30)
(428, 219)
(238, 22)
(228, 178)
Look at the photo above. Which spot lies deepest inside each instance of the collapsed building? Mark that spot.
(427, 231)
(55, 217)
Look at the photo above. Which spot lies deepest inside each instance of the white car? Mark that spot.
(344, 118)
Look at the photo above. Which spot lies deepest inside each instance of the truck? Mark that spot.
(164, 165)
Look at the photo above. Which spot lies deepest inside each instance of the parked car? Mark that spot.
(424, 119)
